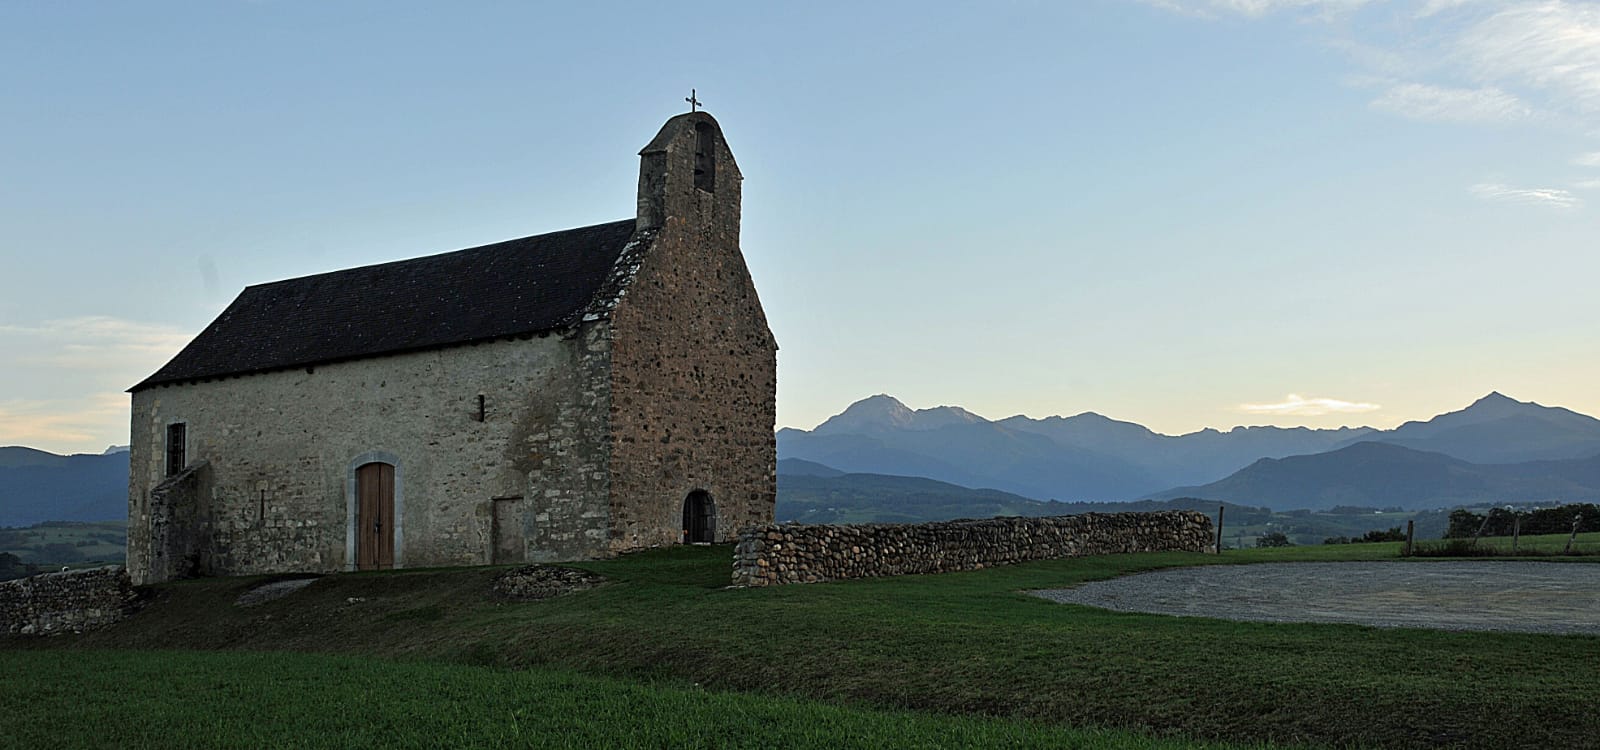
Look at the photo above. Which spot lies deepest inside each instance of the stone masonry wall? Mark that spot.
(67, 602)
(173, 546)
(281, 450)
(694, 375)
(796, 553)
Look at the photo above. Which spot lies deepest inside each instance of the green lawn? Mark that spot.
(251, 700)
(963, 644)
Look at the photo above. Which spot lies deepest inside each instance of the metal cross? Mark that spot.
(694, 102)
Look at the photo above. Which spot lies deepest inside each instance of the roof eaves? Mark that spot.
(153, 381)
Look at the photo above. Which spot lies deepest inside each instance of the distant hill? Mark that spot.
(1084, 457)
(1497, 449)
(880, 498)
(975, 454)
(1383, 474)
(13, 456)
(1497, 429)
(884, 413)
(37, 486)
(1091, 457)
(1196, 456)
(801, 467)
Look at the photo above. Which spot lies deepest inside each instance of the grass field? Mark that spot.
(962, 644)
(68, 542)
(243, 700)
(1587, 543)
(1307, 528)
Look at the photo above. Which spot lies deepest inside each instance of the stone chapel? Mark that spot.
(563, 396)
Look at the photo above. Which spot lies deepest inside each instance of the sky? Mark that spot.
(1182, 213)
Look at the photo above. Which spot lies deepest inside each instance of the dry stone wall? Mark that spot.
(796, 553)
(67, 602)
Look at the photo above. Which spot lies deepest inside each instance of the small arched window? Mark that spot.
(705, 157)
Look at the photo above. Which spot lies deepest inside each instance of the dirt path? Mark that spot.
(1537, 597)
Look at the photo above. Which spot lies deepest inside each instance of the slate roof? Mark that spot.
(510, 288)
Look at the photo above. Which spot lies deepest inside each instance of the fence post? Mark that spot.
(1516, 532)
(1486, 516)
(1220, 508)
(1411, 535)
(1576, 520)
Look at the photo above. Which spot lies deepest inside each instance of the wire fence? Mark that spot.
(1517, 545)
(1570, 530)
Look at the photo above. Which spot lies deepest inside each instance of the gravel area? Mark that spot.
(267, 592)
(1534, 597)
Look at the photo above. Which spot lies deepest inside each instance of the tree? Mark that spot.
(12, 566)
(1389, 535)
(1274, 539)
(1463, 524)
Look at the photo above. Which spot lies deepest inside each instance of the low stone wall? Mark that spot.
(796, 553)
(68, 602)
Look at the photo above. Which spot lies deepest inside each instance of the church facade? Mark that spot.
(564, 396)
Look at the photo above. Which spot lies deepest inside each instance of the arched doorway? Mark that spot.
(375, 529)
(699, 518)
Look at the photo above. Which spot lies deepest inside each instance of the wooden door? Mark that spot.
(375, 517)
(699, 518)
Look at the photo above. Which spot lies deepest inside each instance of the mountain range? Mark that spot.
(37, 486)
(1390, 475)
(809, 492)
(1497, 449)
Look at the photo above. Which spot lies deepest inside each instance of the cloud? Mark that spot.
(1457, 60)
(99, 327)
(1553, 197)
(1587, 184)
(1252, 8)
(92, 342)
(63, 426)
(65, 379)
(1299, 406)
(1588, 160)
(1420, 101)
(1435, 7)
(1550, 45)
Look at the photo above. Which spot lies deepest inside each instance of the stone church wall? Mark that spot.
(590, 441)
(281, 449)
(796, 553)
(172, 547)
(71, 601)
(695, 367)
